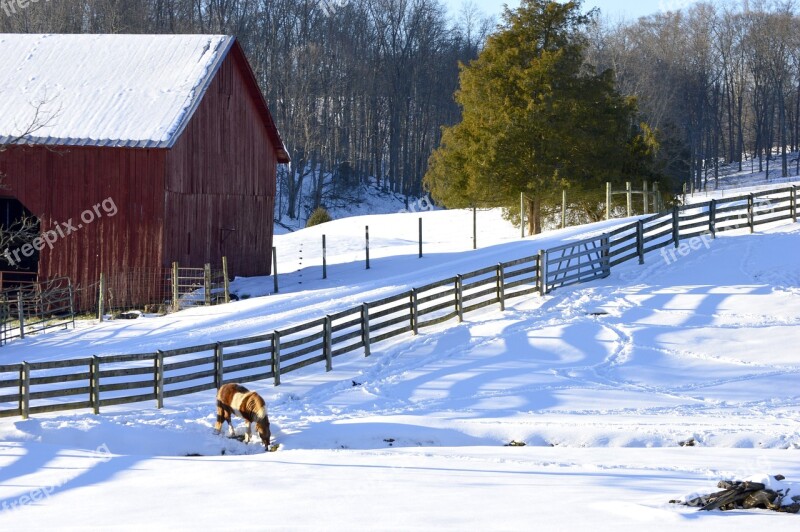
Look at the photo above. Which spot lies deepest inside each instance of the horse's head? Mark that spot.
(262, 426)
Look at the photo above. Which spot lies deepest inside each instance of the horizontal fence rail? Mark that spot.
(102, 381)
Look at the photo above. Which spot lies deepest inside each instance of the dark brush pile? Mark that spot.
(745, 495)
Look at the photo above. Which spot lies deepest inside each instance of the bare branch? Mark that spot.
(41, 119)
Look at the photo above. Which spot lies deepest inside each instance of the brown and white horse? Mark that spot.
(236, 399)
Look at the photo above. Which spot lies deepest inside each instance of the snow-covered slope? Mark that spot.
(603, 383)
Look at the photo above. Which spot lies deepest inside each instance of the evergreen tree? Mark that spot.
(536, 118)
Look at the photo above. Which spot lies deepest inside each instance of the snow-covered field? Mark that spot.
(602, 382)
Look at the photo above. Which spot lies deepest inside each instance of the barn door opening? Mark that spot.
(19, 258)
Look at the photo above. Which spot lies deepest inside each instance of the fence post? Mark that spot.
(226, 280)
(327, 346)
(522, 214)
(657, 206)
(750, 215)
(608, 200)
(71, 301)
(324, 258)
(219, 365)
(640, 240)
(367, 234)
(176, 306)
(39, 304)
(94, 394)
(159, 379)
(414, 311)
(794, 203)
(207, 283)
(365, 328)
(21, 312)
(5, 315)
(420, 237)
(676, 228)
(501, 286)
(460, 297)
(275, 268)
(276, 357)
(102, 299)
(25, 390)
(542, 272)
(646, 197)
(712, 218)
(605, 243)
(629, 197)
(474, 228)
(563, 208)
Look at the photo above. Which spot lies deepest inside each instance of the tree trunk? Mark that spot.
(533, 206)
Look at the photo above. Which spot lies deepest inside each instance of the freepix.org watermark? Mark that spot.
(12, 7)
(41, 494)
(685, 248)
(761, 206)
(423, 204)
(48, 239)
(330, 6)
(666, 6)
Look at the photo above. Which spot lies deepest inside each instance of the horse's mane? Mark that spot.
(257, 407)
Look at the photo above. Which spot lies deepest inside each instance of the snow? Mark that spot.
(602, 382)
(100, 90)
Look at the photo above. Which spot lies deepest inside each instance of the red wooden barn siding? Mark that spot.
(221, 176)
(59, 184)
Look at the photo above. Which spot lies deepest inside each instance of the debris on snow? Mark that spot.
(759, 491)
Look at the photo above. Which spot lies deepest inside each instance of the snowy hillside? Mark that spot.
(363, 199)
(627, 392)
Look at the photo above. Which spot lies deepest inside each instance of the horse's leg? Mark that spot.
(248, 433)
(223, 416)
(229, 419)
(220, 418)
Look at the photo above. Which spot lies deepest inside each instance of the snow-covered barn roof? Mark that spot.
(104, 90)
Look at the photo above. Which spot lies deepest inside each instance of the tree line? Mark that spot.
(359, 88)
(720, 84)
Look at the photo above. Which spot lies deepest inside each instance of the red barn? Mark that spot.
(135, 151)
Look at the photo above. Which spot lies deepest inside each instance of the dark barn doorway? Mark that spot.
(15, 266)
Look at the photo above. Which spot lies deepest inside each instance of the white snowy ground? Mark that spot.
(601, 381)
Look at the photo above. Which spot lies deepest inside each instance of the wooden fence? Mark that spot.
(35, 307)
(198, 286)
(101, 381)
(29, 306)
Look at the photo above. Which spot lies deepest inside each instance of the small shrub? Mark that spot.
(319, 216)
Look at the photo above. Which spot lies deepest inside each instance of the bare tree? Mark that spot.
(718, 83)
(25, 229)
